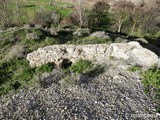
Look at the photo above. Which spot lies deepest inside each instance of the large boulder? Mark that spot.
(132, 52)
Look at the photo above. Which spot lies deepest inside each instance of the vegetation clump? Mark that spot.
(16, 73)
(85, 68)
(134, 68)
(81, 66)
(151, 82)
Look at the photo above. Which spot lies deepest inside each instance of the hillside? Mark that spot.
(62, 60)
(115, 94)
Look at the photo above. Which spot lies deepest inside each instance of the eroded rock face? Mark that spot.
(100, 53)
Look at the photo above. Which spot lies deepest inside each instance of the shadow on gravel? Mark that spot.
(85, 78)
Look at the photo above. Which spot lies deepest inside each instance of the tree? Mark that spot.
(122, 11)
(79, 13)
(145, 18)
(99, 15)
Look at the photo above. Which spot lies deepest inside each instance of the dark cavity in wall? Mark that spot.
(66, 63)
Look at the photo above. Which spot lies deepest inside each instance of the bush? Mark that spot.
(99, 16)
(81, 66)
(44, 68)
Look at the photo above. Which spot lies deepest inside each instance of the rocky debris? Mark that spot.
(55, 17)
(82, 32)
(116, 94)
(142, 40)
(16, 51)
(53, 32)
(100, 34)
(132, 51)
(27, 26)
(46, 79)
(32, 36)
(38, 26)
(121, 40)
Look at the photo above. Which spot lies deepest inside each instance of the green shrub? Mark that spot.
(81, 66)
(151, 82)
(151, 78)
(44, 68)
(84, 67)
(12, 71)
(99, 17)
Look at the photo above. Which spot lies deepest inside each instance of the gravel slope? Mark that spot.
(116, 94)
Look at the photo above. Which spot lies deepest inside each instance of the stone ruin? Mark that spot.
(64, 54)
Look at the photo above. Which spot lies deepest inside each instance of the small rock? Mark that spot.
(53, 32)
(26, 26)
(100, 34)
(142, 40)
(82, 32)
(38, 26)
(32, 36)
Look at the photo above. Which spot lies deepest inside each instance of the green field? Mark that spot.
(24, 11)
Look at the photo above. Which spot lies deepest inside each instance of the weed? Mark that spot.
(134, 68)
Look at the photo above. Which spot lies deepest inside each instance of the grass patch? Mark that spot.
(151, 79)
(16, 74)
(83, 67)
(151, 82)
(134, 68)
(27, 10)
(89, 40)
(17, 37)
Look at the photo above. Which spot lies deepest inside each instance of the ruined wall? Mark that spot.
(131, 52)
